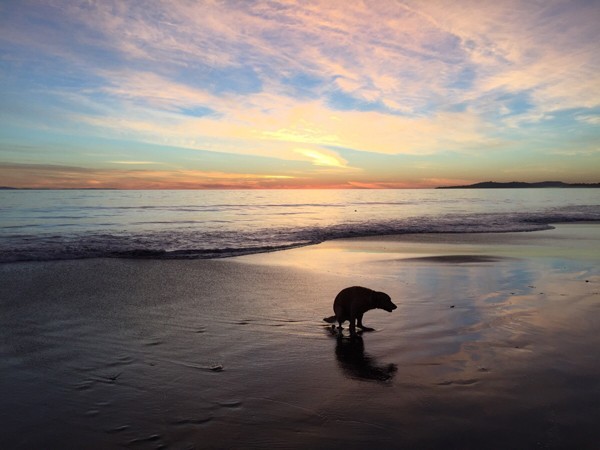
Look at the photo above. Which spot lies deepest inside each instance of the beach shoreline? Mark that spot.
(493, 345)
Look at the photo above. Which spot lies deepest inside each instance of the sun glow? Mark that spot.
(322, 158)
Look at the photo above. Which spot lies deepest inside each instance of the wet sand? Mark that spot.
(494, 345)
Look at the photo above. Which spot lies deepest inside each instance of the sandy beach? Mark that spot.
(494, 345)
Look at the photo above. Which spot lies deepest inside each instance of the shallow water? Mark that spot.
(50, 225)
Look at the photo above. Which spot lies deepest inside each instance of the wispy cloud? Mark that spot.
(407, 53)
(323, 158)
(292, 80)
(592, 119)
(55, 176)
(150, 107)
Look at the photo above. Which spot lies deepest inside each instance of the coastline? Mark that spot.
(64, 225)
(493, 345)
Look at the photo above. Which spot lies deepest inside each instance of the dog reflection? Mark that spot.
(356, 364)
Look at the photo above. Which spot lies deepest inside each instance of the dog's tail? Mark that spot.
(329, 319)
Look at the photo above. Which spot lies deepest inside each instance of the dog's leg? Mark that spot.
(340, 327)
(361, 326)
(352, 326)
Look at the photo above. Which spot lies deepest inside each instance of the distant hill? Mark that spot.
(521, 185)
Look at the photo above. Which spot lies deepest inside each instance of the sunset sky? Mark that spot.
(278, 94)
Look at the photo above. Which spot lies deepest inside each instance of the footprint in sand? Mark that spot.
(192, 421)
(231, 404)
(118, 429)
(121, 361)
(459, 382)
(151, 438)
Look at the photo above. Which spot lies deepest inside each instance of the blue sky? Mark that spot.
(276, 94)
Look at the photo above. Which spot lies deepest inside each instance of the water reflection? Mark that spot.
(357, 364)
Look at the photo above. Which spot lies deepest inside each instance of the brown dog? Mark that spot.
(351, 304)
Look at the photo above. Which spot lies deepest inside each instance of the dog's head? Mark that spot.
(384, 302)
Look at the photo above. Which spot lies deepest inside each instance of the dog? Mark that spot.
(353, 302)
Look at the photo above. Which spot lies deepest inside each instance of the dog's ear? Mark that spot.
(380, 298)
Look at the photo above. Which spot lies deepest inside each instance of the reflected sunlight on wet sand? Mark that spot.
(493, 345)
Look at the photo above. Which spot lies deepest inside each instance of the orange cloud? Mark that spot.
(54, 176)
(71, 177)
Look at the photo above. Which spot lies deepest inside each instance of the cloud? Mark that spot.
(410, 54)
(49, 176)
(323, 158)
(292, 80)
(546, 48)
(268, 124)
(592, 119)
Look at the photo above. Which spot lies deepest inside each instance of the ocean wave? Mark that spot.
(206, 243)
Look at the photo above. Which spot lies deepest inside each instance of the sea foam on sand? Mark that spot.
(494, 345)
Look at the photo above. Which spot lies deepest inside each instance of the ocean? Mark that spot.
(73, 224)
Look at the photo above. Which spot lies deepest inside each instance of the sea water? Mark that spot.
(40, 225)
